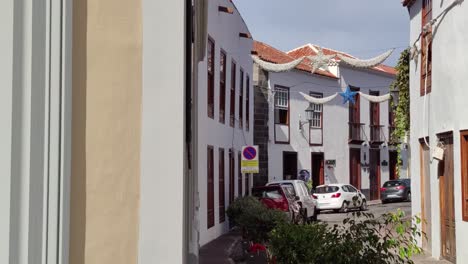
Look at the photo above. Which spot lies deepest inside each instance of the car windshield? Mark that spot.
(326, 189)
(267, 193)
(393, 184)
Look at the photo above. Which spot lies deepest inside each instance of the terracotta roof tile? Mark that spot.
(270, 54)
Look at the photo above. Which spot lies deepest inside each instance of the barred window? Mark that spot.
(316, 121)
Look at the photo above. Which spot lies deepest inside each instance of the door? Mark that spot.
(374, 119)
(317, 169)
(374, 174)
(356, 199)
(210, 188)
(289, 165)
(426, 196)
(393, 159)
(355, 117)
(355, 167)
(447, 206)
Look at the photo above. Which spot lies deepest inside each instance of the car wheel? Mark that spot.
(408, 197)
(344, 207)
(363, 205)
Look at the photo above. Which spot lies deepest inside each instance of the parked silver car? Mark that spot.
(396, 190)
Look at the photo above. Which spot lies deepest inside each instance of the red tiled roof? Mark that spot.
(270, 54)
(307, 50)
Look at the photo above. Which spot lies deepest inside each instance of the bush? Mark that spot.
(255, 220)
(387, 239)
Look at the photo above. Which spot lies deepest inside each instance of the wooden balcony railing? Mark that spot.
(376, 134)
(356, 132)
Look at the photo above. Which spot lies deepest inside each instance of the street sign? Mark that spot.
(249, 162)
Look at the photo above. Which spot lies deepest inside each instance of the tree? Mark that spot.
(402, 108)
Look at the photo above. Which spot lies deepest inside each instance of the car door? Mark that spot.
(308, 200)
(347, 196)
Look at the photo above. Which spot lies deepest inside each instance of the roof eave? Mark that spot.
(408, 3)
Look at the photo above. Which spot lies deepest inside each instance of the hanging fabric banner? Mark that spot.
(363, 64)
(315, 100)
(273, 67)
(375, 98)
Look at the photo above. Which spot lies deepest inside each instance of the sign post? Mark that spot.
(249, 162)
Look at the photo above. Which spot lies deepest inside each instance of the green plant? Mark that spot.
(360, 239)
(255, 220)
(402, 109)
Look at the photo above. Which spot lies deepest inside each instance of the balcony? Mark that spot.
(356, 133)
(376, 134)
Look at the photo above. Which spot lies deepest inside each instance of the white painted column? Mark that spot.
(162, 224)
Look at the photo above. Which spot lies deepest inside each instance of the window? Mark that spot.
(426, 49)
(231, 176)
(210, 80)
(233, 94)
(210, 187)
(317, 114)
(464, 168)
(352, 189)
(247, 104)
(222, 209)
(282, 105)
(222, 87)
(239, 177)
(241, 99)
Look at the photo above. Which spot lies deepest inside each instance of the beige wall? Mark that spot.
(105, 193)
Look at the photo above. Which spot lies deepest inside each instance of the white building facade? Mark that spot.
(337, 145)
(438, 118)
(224, 122)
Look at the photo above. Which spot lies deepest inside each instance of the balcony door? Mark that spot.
(355, 117)
(375, 119)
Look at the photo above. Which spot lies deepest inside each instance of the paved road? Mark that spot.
(377, 210)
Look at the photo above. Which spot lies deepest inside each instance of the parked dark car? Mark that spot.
(396, 190)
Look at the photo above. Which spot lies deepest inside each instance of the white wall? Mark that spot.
(445, 110)
(224, 29)
(335, 122)
(162, 237)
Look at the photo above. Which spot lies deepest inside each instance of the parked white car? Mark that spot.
(301, 193)
(339, 197)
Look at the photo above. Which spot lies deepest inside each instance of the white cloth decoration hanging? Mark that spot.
(364, 64)
(320, 61)
(376, 98)
(315, 100)
(273, 67)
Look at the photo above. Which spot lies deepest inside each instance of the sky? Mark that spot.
(362, 28)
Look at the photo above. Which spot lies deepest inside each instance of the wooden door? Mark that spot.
(426, 196)
(221, 194)
(355, 167)
(210, 188)
(355, 109)
(289, 165)
(231, 176)
(447, 205)
(318, 177)
(393, 159)
(374, 174)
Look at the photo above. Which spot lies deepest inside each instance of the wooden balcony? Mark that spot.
(376, 134)
(356, 133)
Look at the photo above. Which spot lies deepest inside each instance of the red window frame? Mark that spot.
(241, 98)
(233, 94)
(210, 77)
(231, 176)
(247, 104)
(426, 52)
(239, 176)
(222, 87)
(222, 200)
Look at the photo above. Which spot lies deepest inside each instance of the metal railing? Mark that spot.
(376, 134)
(356, 131)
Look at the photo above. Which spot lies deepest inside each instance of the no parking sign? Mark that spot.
(249, 162)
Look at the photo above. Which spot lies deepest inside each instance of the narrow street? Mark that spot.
(377, 210)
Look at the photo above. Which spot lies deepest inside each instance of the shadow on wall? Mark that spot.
(330, 176)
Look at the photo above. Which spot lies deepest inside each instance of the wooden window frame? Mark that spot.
(210, 212)
(210, 77)
(221, 186)
(222, 86)
(231, 175)
(232, 106)
(464, 172)
(288, 116)
(247, 103)
(426, 17)
(320, 95)
(241, 98)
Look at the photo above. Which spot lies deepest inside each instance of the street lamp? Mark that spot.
(309, 115)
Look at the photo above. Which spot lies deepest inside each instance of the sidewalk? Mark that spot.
(424, 259)
(219, 250)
